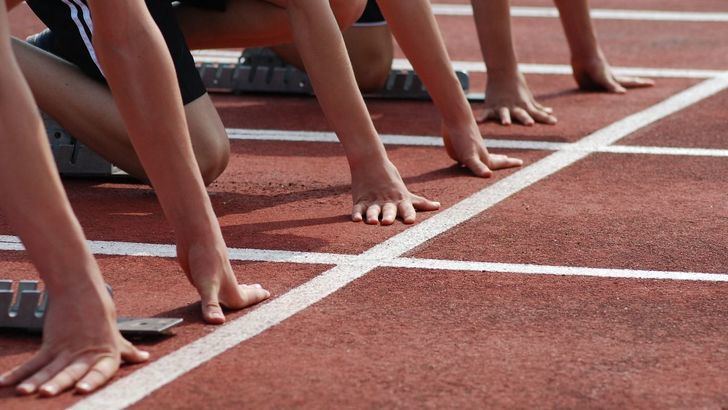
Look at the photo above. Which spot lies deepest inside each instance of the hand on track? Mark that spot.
(379, 192)
(597, 75)
(508, 99)
(82, 347)
(208, 269)
(468, 149)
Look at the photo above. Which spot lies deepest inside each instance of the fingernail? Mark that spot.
(2, 379)
(257, 285)
(83, 386)
(49, 390)
(26, 388)
(145, 355)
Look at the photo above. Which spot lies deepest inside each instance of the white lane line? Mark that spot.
(434, 141)
(231, 57)
(598, 14)
(532, 269)
(130, 389)
(387, 139)
(689, 152)
(12, 243)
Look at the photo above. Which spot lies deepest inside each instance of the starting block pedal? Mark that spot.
(73, 158)
(25, 309)
(260, 70)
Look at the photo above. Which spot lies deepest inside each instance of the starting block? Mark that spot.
(74, 159)
(25, 310)
(260, 70)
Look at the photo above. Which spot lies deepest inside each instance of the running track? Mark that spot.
(595, 276)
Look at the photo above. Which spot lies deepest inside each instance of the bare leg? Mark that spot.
(87, 109)
(250, 23)
(371, 52)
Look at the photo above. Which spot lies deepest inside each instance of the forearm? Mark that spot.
(493, 23)
(579, 30)
(323, 52)
(141, 76)
(415, 29)
(31, 196)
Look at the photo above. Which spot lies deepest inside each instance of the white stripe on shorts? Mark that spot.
(82, 30)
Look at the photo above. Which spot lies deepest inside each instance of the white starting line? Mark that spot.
(242, 134)
(232, 57)
(597, 14)
(143, 382)
(12, 243)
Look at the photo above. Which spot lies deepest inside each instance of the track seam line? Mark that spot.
(12, 243)
(143, 382)
(242, 134)
(214, 56)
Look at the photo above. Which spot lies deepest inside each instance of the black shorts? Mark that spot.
(372, 16)
(71, 25)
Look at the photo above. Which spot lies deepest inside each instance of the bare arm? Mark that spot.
(591, 69)
(507, 96)
(376, 184)
(413, 25)
(141, 76)
(81, 343)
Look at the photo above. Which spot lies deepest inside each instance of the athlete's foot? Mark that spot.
(208, 269)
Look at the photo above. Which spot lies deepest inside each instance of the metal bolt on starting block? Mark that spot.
(74, 158)
(260, 70)
(25, 309)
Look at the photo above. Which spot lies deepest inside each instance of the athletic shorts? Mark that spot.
(71, 25)
(372, 16)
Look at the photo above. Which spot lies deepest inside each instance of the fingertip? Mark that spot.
(143, 355)
(214, 317)
(48, 391)
(83, 388)
(356, 218)
(25, 389)
(409, 220)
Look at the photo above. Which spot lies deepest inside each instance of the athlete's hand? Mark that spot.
(468, 149)
(508, 99)
(82, 347)
(379, 192)
(596, 75)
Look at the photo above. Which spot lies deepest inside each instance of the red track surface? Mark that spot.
(431, 338)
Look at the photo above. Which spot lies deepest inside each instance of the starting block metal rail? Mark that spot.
(260, 70)
(74, 158)
(25, 309)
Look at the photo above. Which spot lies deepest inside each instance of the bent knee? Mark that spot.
(347, 12)
(213, 161)
(372, 78)
(372, 68)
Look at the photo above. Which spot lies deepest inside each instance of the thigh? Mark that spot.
(72, 29)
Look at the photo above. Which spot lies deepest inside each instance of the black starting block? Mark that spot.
(25, 310)
(73, 158)
(260, 70)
